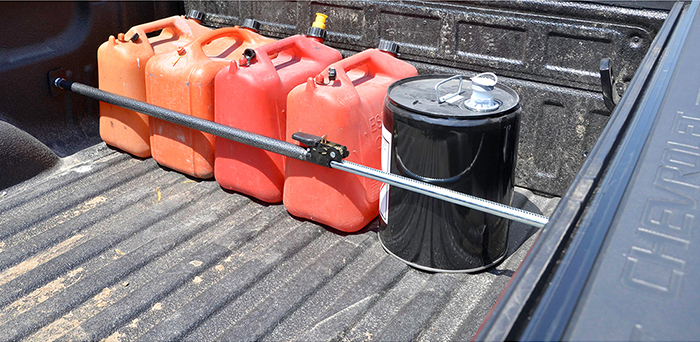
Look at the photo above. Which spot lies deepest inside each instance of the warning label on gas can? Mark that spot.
(386, 167)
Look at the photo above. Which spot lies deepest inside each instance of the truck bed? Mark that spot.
(96, 244)
(110, 246)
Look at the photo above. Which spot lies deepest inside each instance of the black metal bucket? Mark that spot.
(439, 140)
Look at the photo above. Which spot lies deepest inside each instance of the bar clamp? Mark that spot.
(321, 151)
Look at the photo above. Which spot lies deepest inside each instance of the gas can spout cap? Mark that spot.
(320, 21)
(482, 93)
(318, 28)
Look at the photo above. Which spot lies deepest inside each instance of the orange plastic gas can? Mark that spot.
(253, 97)
(183, 80)
(348, 110)
(121, 63)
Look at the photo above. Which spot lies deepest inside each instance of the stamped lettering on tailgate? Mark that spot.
(656, 261)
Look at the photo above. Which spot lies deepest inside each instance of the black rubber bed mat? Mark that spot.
(109, 246)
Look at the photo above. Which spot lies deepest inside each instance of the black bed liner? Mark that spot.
(108, 245)
(549, 52)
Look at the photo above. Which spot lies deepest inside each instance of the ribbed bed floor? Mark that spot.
(109, 246)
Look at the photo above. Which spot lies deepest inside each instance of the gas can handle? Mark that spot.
(298, 48)
(448, 96)
(371, 61)
(354, 62)
(342, 67)
(176, 23)
(291, 45)
(234, 32)
(374, 63)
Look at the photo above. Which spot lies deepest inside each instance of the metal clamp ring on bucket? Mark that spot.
(448, 96)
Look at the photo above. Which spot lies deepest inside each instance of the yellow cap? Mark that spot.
(320, 21)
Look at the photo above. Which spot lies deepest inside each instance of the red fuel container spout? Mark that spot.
(254, 98)
(183, 81)
(348, 110)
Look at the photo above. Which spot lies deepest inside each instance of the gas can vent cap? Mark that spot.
(482, 93)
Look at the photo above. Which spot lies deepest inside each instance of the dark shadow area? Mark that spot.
(507, 273)
(117, 149)
(251, 198)
(371, 227)
(21, 156)
(61, 35)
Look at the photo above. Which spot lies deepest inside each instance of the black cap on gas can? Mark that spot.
(388, 46)
(251, 24)
(196, 15)
(459, 134)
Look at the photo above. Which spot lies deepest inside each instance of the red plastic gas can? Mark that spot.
(121, 63)
(253, 98)
(348, 110)
(183, 81)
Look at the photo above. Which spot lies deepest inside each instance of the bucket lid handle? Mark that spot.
(448, 96)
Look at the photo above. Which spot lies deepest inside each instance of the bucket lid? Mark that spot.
(448, 96)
